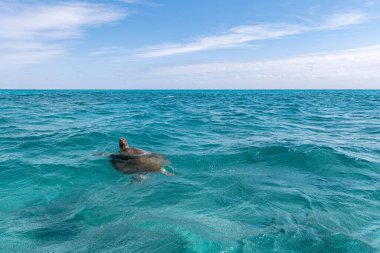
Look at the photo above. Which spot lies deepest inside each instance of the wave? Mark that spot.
(307, 157)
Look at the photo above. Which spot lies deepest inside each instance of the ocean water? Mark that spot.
(256, 171)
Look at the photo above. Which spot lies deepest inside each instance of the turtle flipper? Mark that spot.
(165, 172)
(139, 178)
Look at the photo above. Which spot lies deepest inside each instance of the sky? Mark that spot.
(197, 44)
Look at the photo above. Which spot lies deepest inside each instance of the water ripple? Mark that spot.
(256, 171)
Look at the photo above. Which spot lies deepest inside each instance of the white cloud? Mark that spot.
(237, 36)
(234, 37)
(341, 69)
(24, 57)
(30, 33)
(341, 20)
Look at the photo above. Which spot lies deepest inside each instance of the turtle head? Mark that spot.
(123, 144)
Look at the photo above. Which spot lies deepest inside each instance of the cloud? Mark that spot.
(30, 33)
(241, 35)
(234, 37)
(345, 68)
(341, 20)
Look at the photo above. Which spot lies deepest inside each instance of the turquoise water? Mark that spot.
(256, 171)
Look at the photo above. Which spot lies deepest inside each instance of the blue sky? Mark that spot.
(168, 44)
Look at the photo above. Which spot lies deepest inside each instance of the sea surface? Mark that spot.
(256, 171)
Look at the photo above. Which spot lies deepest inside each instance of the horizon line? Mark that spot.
(211, 89)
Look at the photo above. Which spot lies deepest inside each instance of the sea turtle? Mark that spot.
(132, 160)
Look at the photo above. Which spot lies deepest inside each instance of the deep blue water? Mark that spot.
(256, 171)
